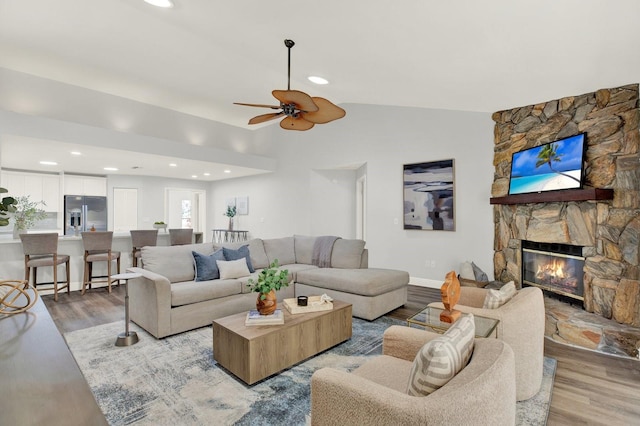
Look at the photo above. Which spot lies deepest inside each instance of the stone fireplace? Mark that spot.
(603, 219)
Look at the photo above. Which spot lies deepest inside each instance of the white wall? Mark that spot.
(297, 197)
(151, 192)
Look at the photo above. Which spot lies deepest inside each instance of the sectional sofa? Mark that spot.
(167, 299)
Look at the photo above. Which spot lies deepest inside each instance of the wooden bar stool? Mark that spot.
(42, 250)
(97, 248)
(139, 239)
(180, 237)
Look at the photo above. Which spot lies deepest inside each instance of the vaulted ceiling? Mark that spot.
(201, 56)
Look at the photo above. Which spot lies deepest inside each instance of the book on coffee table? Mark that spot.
(254, 318)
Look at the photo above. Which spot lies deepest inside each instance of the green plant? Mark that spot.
(6, 206)
(231, 211)
(27, 212)
(269, 279)
(158, 223)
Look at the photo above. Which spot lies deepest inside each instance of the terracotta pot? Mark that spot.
(268, 305)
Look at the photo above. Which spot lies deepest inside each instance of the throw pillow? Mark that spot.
(242, 252)
(496, 298)
(206, 266)
(233, 268)
(440, 359)
(479, 273)
(466, 271)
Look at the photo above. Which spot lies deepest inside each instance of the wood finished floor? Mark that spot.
(590, 388)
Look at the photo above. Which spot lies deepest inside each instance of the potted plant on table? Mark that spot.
(26, 213)
(230, 213)
(269, 280)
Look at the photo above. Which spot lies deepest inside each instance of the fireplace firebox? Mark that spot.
(555, 268)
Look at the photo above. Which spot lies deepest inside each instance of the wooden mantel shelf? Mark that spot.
(585, 194)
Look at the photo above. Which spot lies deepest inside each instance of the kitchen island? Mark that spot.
(12, 257)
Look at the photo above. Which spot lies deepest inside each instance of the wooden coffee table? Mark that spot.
(257, 352)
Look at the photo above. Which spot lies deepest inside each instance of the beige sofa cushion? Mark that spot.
(281, 249)
(303, 247)
(173, 262)
(496, 298)
(365, 282)
(186, 293)
(440, 359)
(347, 254)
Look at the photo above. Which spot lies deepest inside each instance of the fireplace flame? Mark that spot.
(553, 269)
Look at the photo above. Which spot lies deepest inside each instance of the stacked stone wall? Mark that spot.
(609, 231)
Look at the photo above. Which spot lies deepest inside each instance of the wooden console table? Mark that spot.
(226, 236)
(41, 382)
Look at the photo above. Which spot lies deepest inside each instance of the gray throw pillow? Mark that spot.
(479, 273)
(242, 252)
(206, 266)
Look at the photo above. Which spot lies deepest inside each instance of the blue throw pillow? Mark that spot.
(243, 251)
(206, 266)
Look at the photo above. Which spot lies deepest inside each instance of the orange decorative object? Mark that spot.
(268, 305)
(450, 293)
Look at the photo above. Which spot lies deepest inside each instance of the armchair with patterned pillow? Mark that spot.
(522, 318)
(422, 378)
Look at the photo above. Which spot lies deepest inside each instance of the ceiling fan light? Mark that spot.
(317, 80)
(160, 3)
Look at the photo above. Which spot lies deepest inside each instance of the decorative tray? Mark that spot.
(313, 305)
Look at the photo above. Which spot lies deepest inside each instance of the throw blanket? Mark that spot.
(322, 248)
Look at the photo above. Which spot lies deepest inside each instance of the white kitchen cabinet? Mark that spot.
(39, 187)
(85, 185)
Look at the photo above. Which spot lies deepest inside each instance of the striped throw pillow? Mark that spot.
(496, 298)
(440, 359)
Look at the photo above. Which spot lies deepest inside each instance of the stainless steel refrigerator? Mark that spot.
(83, 213)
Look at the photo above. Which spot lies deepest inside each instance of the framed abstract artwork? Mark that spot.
(429, 195)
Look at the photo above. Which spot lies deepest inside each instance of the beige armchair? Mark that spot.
(375, 393)
(521, 326)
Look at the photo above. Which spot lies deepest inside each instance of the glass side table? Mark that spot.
(430, 317)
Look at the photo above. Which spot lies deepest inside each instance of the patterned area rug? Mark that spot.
(175, 381)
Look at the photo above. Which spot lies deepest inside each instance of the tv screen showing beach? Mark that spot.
(549, 167)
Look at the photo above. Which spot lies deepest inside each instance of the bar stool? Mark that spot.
(180, 237)
(139, 239)
(97, 248)
(42, 250)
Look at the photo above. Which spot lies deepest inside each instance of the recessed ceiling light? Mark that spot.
(227, 171)
(318, 80)
(207, 174)
(173, 165)
(48, 163)
(111, 169)
(194, 176)
(160, 3)
(76, 153)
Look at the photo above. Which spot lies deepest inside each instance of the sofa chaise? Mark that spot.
(167, 299)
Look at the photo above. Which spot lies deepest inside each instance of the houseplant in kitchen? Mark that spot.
(269, 280)
(26, 213)
(230, 213)
(160, 225)
(7, 205)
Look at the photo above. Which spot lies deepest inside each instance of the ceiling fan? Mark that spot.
(300, 111)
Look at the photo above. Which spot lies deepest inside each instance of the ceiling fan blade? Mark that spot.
(327, 111)
(258, 105)
(265, 117)
(302, 101)
(290, 123)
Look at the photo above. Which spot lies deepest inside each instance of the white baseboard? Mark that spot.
(425, 282)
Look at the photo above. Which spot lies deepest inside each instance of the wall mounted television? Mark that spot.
(552, 166)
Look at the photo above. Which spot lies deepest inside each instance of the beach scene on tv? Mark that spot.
(549, 167)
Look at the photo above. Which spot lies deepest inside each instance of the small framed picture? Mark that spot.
(242, 205)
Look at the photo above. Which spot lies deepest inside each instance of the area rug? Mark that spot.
(175, 381)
